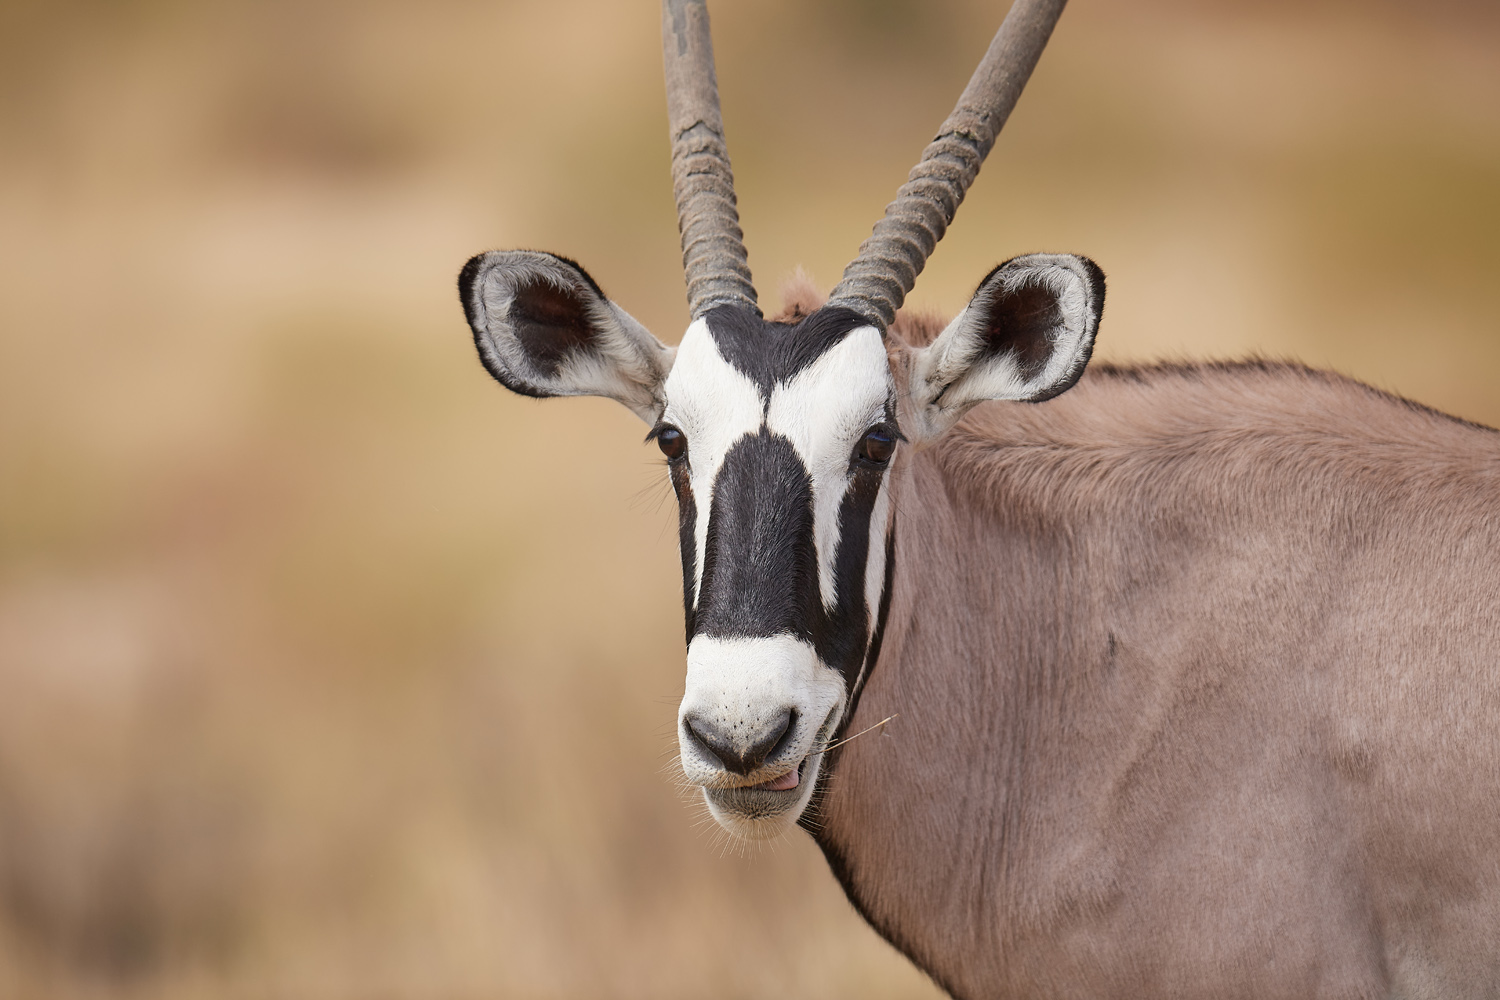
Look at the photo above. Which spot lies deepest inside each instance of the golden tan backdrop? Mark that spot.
(328, 669)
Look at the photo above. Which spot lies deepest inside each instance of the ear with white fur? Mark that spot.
(543, 328)
(1026, 335)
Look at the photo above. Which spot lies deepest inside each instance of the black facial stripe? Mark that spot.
(810, 820)
(760, 570)
(877, 638)
(687, 521)
(841, 636)
(760, 562)
(767, 352)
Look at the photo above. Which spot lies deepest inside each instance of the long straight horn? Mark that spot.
(713, 247)
(876, 282)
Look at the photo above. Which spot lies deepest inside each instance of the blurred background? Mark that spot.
(329, 669)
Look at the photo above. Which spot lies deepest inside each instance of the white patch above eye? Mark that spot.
(824, 410)
(715, 405)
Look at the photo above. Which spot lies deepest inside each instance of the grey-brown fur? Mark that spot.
(1196, 672)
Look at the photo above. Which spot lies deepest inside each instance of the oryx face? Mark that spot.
(780, 440)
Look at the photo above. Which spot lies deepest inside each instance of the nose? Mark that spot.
(741, 749)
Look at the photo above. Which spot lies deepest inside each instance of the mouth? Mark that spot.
(786, 782)
(767, 809)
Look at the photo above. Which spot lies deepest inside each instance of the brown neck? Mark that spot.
(1107, 612)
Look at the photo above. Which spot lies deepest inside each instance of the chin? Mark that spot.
(754, 813)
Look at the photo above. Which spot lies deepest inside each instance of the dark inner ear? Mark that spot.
(1020, 321)
(550, 323)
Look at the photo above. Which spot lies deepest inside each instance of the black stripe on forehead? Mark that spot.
(767, 352)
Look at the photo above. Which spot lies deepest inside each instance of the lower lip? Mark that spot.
(785, 783)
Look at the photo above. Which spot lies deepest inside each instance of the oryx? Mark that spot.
(1197, 668)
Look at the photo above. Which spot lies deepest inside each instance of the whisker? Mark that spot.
(653, 496)
(846, 739)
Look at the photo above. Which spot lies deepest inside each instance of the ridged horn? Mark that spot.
(876, 282)
(713, 247)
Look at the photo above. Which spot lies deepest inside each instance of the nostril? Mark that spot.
(776, 734)
(738, 751)
(715, 741)
(788, 732)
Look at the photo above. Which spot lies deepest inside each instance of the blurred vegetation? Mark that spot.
(330, 669)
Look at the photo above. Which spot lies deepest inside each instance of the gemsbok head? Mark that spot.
(781, 437)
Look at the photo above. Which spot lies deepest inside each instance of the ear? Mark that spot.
(1025, 335)
(543, 328)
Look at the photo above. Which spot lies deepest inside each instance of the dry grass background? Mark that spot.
(328, 669)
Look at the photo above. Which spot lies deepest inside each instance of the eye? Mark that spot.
(876, 446)
(672, 442)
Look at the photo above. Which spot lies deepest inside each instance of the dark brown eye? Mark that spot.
(672, 442)
(877, 446)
